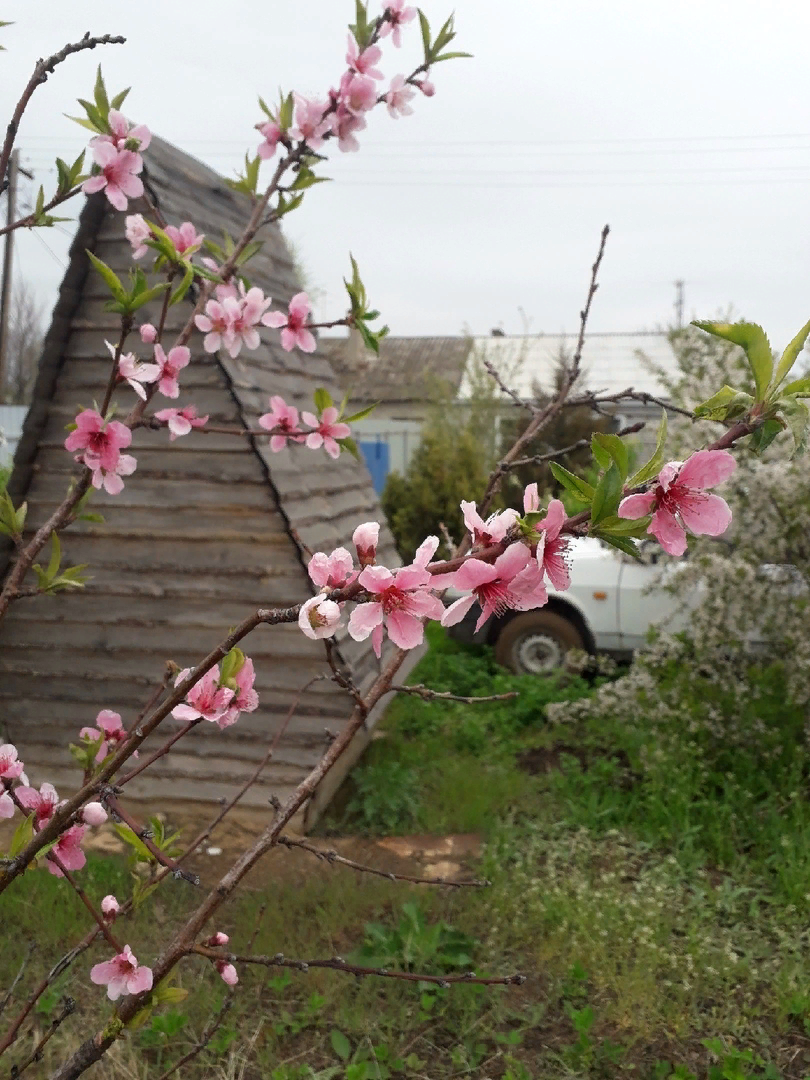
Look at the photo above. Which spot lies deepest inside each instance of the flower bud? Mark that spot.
(366, 537)
(94, 814)
(110, 906)
(148, 333)
(227, 972)
(218, 939)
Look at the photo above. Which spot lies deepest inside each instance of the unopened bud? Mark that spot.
(148, 333)
(94, 814)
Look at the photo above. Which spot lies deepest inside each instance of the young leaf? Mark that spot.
(452, 56)
(799, 387)
(425, 26)
(616, 448)
(653, 466)
(341, 1045)
(285, 112)
(753, 339)
(360, 415)
(56, 557)
(183, 287)
(349, 444)
(726, 403)
(623, 543)
(109, 275)
(578, 487)
(22, 835)
(100, 94)
(764, 436)
(607, 495)
(789, 357)
(797, 415)
(268, 112)
(323, 400)
(120, 98)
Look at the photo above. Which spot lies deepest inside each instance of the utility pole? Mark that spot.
(8, 251)
(679, 304)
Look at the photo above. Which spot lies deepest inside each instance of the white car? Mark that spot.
(610, 606)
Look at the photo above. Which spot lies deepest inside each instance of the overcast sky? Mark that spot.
(684, 126)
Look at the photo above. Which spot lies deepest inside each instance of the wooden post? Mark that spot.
(8, 251)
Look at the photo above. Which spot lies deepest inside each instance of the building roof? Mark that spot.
(208, 527)
(407, 368)
(421, 368)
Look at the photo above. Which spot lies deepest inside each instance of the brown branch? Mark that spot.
(68, 1007)
(513, 394)
(98, 918)
(161, 752)
(42, 70)
(337, 963)
(143, 834)
(426, 694)
(331, 856)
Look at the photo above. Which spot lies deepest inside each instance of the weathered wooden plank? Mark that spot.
(182, 494)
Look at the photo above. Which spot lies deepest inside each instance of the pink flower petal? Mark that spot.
(405, 630)
(669, 534)
(637, 506)
(704, 515)
(706, 469)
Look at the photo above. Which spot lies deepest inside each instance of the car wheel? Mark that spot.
(536, 642)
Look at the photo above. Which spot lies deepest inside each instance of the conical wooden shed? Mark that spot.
(207, 529)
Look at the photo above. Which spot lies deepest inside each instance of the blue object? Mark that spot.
(377, 458)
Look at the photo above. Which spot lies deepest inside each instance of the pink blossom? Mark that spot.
(402, 604)
(491, 531)
(398, 97)
(357, 93)
(215, 324)
(101, 442)
(68, 850)
(498, 587)
(331, 571)
(396, 15)
(148, 333)
(680, 502)
(310, 122)
(93, 813)
(186, 239)
(218, 939)
(181, 421)
(109, 729)
(110, 906)
(551, 547)
(110, 479)
(122, 975)
(206, 700)
(246, 312)
(6, 806)
(170, 367)
(137, 232)
(245, 697)
(227, 971)
(117, 177)
(319, 617)
(125, 136)
(365, 539)
(426, 551)
(44, 802)
(283, 420)
(295, 331)
(10, 766)
(134, 371)
(272, 134)
(345, 123)
(363, 62)
(327, 431)
(426, 86)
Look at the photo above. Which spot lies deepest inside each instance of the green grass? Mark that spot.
(649, 875)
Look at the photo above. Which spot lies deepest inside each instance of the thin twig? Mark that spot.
(426, 694)
(9, 993)
(144, 835)
(337, 963)
(68, 1007)
(331, 856)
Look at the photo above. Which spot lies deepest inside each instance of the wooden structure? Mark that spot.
(208, 528)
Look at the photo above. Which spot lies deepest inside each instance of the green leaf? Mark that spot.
(100, 94)
(183, 287)
(285, 207)
(616, 526)
(23, 835)
(349, 444)
(451, 56)
(360, 415)
(601, 456)
(56, 557)
(754, 342)
(169, 995)
(653, 466)
(789, 357)
(726, 403)
(616, 449)
(268, 112)
(109, 275)
(285, 112)
(119, 99)
(323, 400)
(577, 486)
(148, 296)
(607, 495)
(84, 123)
(135, 842)
(797, 415)
(425, 26)
(764, 436)
(800, 387)
(623, 543)
(340, 1044)
(232, 664)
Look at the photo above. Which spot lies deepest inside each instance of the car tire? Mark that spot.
(536, 642)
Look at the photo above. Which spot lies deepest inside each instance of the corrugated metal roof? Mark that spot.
(203, 531)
